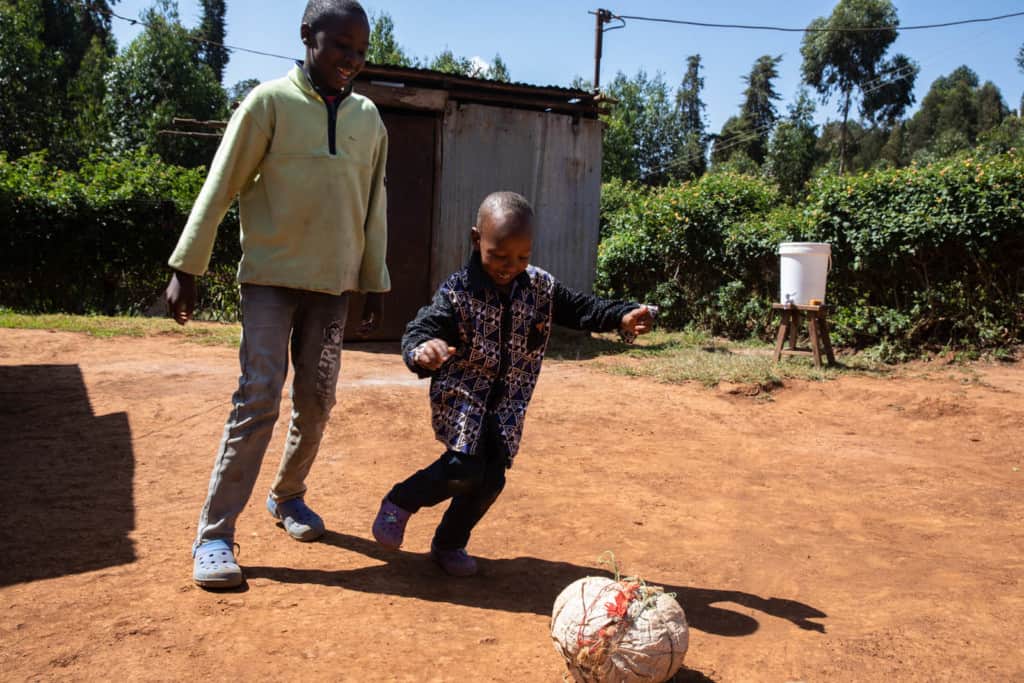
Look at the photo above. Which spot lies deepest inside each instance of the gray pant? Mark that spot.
(314, 323)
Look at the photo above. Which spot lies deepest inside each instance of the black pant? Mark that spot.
(473, 482)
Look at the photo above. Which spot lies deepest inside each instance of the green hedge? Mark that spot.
(97, 240)
(922, 257)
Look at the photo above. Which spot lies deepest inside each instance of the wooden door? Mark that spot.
(412, 145)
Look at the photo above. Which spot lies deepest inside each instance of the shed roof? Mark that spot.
(483, 91)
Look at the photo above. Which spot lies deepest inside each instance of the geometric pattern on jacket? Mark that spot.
(459, 390)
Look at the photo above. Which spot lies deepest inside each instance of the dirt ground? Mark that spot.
(863, 529)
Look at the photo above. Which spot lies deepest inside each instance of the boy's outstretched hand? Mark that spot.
(372, 308)
(432, 354)
(638, 321)
(181, 296)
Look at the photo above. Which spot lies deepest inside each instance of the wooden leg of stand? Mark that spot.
(828, 342)
(794, 327)
(812, 330)
(780, 338)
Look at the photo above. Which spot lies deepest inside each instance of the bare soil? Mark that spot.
(861, 529)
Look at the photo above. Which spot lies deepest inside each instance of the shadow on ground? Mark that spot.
(67, 475)
(526, 584)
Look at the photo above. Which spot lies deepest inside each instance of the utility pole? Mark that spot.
(602, 16)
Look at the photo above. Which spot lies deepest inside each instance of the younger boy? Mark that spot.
(313, 227)
(482, 341)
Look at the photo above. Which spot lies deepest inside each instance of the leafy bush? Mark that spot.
(670, 247)
(932, 254)
(922, 256)
(97, 240)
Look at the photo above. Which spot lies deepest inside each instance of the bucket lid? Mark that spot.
(804, 248)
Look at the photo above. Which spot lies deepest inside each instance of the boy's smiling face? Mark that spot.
(504, 240)
(336, 49)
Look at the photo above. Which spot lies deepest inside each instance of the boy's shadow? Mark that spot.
(524, 584)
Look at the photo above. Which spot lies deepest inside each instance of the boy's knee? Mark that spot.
(314, 405)
(465, 473)
(257, 402)
(492, 485)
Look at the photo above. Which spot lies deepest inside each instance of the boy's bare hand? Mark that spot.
(372, 309)
(181, 296)
(433, 353)
(638, 321)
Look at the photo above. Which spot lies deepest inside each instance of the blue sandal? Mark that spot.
(298, 520)
(214, 565)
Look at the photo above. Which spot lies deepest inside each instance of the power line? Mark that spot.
(823, 29)
(885, 78)
(194, 38)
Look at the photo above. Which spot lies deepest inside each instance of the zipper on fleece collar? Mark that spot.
(331, 102)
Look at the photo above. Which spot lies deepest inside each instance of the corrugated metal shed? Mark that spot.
(480, 136)
(553, 161)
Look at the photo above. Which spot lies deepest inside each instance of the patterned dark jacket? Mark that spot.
(500, 339)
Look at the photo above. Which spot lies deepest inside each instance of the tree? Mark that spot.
(53, 54)
(691, 158)
(157, 78)
(211, 34)
(641, 139)
(954, 112)
(891, 94)
(991, 107)
(895, 152)
(29, 111)
(240, 90)
(498, 70)
(89, 130)
(748, 133)
(759, 104)
(384, 47)
(845, 63)
(1020, 65)
(736, 137)
(657, 141)
(70, 27)
(791, 153)
(448, 63)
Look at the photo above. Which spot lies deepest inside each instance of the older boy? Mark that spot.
(306, 157)
(483, 340)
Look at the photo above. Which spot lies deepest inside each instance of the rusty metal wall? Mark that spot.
(550, 159)
(411, 183)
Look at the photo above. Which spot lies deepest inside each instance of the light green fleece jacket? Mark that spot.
(309, 219)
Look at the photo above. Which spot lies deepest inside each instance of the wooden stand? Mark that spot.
(817, 328)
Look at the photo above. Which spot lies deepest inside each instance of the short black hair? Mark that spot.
(318, 10)
(505, 202)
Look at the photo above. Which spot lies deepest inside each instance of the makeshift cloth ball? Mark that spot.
(621, 631)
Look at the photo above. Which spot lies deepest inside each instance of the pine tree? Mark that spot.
(759, 105)
(691, 157)
(212, 32)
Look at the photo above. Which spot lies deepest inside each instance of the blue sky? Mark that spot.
(552, 41)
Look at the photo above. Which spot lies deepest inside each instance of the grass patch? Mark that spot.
(691, 356)
(215, 334)
(687, 356)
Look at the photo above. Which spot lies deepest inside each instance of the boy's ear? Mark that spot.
(474, 234)
(306, 33)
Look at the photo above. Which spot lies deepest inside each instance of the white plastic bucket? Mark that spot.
(803, 271)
